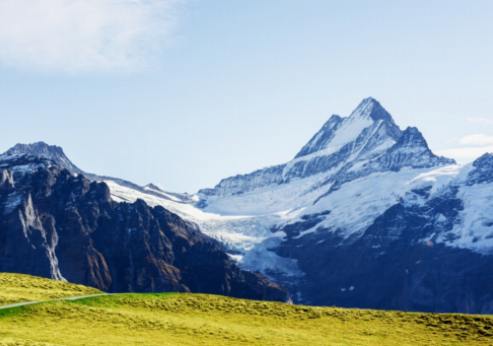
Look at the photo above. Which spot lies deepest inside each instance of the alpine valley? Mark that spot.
(365, 215)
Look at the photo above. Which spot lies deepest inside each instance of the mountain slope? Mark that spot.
(59, 225)
(431, 251)
(16, 288)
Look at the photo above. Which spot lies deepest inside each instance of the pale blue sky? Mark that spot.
(211, 88)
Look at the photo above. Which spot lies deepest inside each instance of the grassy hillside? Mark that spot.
(187, 319)
(21, 288)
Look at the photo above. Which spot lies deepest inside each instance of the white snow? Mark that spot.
(271, 199)
(248, 235)
(351, 127)
(439, 178)
(121, 193)
(245, 222)
(356, 205)
(475, 229)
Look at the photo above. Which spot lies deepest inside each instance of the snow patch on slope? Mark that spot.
(248, 238)
(346, 133)
(440, 178)
(475, 229)
(356, 205)
(271, 199)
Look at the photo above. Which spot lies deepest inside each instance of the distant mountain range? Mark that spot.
(365, 215)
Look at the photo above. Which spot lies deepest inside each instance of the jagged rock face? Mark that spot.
(323, 137)
(411, 150)
(29, 157)
(483, 170)
(344, 149)
(58, 225)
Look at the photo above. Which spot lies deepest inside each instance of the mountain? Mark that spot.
(364, 215)
(54, 155)
(40, 150)
(366, 142)
(62, 225)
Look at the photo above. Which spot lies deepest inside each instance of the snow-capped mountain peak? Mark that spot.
(337, 132)
(371, 109)
(344, 149)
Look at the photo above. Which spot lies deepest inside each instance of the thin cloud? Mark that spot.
(84, 35)
(465, 154)
(471, 147)
(477, 140)
(480, 120)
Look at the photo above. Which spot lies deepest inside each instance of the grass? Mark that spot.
(16, 288)
(194, 319)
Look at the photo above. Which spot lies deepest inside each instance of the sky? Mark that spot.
(184, 93)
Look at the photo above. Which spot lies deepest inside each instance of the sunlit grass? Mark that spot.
(192, 319)
(20, 288)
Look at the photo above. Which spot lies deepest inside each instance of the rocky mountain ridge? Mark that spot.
(64, 226)
(365, 215)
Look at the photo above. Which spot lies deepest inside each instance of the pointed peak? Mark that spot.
(333, 122)
(412, 137)
(411, 150)
(371, 108)
(334, 118)
(339, 131)
(413, 132)
(370, 100)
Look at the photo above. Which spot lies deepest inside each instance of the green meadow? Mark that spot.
(197, 319)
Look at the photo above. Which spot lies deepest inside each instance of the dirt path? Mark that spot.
(18, 305)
